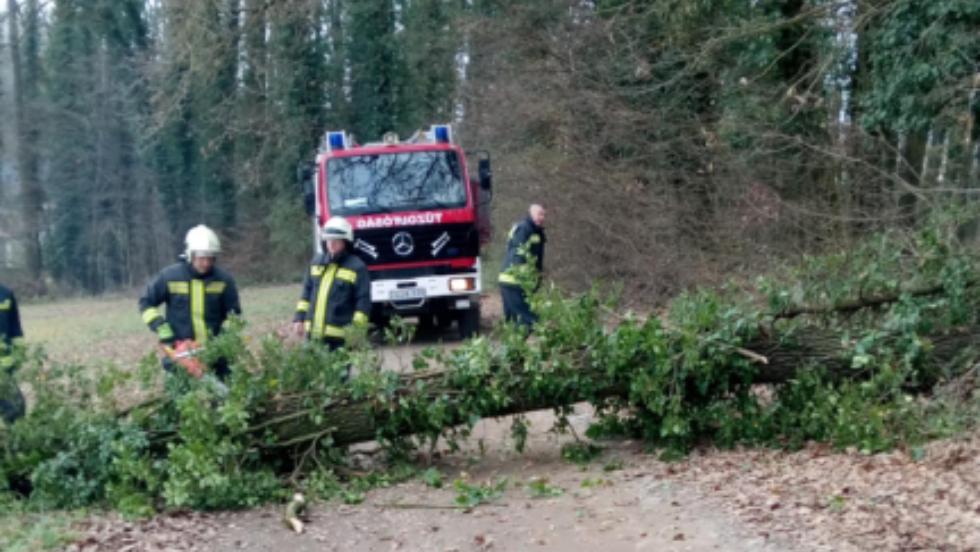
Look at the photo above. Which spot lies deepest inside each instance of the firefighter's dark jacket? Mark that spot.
(9, 326)
(524, 232)
(197, 304)
(336, 294)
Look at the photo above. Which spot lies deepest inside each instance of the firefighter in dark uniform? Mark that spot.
(337, 291)
(526, 239)
(199, 297)
(11, 399)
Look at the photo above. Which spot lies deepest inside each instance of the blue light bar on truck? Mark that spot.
(442, 134)
(336, 140)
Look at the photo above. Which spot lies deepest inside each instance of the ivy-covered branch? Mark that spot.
(852, 305)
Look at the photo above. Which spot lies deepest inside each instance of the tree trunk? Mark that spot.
(824, 349)
(777, 361)
(912, 161)
(26, 77)
(972, 133)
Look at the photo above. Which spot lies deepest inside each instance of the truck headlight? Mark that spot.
(458, 285)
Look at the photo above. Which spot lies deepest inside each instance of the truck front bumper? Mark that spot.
(426, 294)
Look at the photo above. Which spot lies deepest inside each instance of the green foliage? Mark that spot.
(615, 464)
(580, 453)
(471, 496)
(377, 69)
(921, 58)
(79, 473)
(589, 483)
(430, 46)
(541, 488)
(192, 449)
(432, 478)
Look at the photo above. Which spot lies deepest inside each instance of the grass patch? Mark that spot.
(91, 330)
(28, 532)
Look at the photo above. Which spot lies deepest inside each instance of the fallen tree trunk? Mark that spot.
(854, 305)
(350, 421)
(776, 362)
(825, 349)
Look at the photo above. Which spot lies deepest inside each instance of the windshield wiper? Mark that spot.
(411, 206)
(446, 205)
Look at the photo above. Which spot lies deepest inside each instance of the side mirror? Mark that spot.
(304, 175)
(485, 171)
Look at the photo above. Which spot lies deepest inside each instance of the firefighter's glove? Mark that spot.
(357, 337)
(166, 334)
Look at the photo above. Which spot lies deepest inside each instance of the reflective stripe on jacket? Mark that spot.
(336, 294)
(524, 232)
(196, 305)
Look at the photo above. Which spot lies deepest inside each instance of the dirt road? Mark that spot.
(617, 503)
(624, 500)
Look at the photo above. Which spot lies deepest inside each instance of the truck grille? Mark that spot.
(416, 243)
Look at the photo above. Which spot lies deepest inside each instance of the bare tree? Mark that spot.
(26, 85)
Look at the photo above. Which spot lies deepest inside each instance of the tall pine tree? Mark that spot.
(432, 46)
(98, 186)
(195, 108)
(377, 69)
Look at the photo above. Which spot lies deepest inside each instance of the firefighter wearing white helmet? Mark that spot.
(337, 228)
(336, 294)
(201, 241)
(199, 297)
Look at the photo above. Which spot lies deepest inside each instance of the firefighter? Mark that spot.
(199, 298)
(11, 399)
(526, 239)
(337, 290)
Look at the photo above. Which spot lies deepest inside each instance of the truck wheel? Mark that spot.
(444, 320)
(380, 322)
(469, 322)
(427, 323)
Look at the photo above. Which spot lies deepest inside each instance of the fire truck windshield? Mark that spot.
(383, 183)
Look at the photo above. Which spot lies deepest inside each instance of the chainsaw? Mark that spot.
(185, 354)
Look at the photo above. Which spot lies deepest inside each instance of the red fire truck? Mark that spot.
(419, 220)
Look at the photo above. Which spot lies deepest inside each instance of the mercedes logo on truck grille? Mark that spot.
(403, 244)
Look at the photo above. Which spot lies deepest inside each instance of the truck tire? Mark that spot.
(469, 322)
(443, 320)
(427, 323)
(380, 322)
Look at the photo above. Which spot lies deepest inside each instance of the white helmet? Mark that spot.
(202, 241)
(337, 228)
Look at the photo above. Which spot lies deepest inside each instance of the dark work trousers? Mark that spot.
(12, 404)
(333, 343)
(516, 307)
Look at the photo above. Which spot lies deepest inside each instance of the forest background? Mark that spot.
(676, 142)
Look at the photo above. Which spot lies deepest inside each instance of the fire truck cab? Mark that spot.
(419, 220)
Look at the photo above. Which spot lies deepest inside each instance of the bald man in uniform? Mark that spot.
(524, 244)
